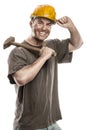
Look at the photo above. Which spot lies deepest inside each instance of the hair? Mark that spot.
(33, 18)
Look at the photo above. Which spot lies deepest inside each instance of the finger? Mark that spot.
(60, 23)
(54, 53)
(62, 20)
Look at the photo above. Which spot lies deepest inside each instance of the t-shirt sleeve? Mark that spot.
(62, 50)
(16, 61)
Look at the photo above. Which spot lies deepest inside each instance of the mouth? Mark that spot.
(43, 34)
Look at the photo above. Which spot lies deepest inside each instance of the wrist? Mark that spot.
(72, 28)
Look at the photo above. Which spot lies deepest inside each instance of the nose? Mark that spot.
(44, 27)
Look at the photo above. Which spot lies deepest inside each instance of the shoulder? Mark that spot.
(17, 52)
(57, 42)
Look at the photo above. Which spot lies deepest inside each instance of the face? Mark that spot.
(41, 28)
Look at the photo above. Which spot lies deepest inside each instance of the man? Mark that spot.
(35, 75)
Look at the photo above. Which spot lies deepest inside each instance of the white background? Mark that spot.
(14, 21)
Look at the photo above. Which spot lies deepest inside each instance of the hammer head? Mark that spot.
(8, 42)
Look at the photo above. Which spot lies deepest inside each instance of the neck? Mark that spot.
(34, 41)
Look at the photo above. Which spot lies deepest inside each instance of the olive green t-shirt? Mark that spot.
(37, 104)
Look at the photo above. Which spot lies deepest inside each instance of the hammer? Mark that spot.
(11, 41)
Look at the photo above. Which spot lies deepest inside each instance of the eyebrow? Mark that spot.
(41, 19)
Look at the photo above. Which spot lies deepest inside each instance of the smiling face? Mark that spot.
(41, 28)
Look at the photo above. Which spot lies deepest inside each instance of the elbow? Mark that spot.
(22, 80)
(80, 44)
(75, 46)
(19, 81)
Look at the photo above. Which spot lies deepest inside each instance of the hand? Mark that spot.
(47, 52)
(65, 22)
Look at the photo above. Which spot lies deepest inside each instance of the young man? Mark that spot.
(35, 75)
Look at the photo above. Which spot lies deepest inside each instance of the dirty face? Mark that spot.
(41, 28)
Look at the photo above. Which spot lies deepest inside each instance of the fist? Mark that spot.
(47, 52)
(65, 22)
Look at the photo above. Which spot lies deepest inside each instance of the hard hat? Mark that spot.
(46, 11)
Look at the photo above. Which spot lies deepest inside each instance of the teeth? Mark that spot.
(42, 33)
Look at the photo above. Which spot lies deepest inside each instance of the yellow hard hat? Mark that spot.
(46, 11)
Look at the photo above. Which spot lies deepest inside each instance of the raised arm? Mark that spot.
(75, 37)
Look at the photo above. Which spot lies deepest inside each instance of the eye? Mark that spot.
(39, 22)
(49, 25)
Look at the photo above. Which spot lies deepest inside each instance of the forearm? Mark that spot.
(28, 73)
(75, 37)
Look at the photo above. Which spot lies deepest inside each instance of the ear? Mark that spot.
(30, 23)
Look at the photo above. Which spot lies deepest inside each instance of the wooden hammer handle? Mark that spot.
(26, 47)
(10, 41)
